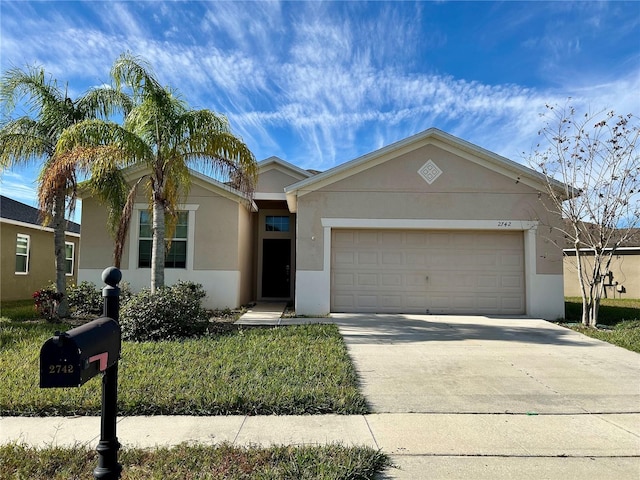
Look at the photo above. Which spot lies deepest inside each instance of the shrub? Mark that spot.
(85, 298)
(46, 302)
(172, 313)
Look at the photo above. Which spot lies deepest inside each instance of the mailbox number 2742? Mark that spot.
(53, 369)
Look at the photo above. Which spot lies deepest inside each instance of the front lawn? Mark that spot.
(618, 321)
(282, 371)
(193, 462)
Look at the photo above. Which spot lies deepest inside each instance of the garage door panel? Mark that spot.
(512, 305)
(392, 258)
(344, 279)
(513, 282)
(417, 271)
(391, 280)
(367, 280)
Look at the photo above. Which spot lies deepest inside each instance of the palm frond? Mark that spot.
(135, 73)
(23, 141)
(103, 101)
(116, 144)
(124, 223)
(29, 85)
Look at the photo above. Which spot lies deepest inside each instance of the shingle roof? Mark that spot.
(13, 210)
(632, 241)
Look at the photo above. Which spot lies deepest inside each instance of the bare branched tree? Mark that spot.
(597, 157)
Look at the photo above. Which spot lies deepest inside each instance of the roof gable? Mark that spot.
(274, 175)
(283, 166)
(136, 171)
(432, 136)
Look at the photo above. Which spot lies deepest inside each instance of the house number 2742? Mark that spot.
(504, 224)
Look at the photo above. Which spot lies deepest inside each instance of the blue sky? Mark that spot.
(319, 84)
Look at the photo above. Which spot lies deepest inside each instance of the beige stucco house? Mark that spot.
(623, 280)
(430, 224)
(27, 254)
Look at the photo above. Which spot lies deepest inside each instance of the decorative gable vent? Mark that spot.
(430, 172)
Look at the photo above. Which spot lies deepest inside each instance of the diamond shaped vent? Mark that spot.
(430, 172)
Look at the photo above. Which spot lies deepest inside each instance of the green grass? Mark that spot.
(289, 370)
(189, 462)
(18, 310)
(618, 321)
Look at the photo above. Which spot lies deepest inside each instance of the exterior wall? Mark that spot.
(274, 181)
(625, 267)
(213, 248)
(246, 254)
(97, 243)
(15, 286)
(393, 195)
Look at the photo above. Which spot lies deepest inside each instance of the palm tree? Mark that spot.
(33, 138)
(162, 133)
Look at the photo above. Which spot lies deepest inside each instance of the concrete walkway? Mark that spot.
(422, 445)
(454, 398)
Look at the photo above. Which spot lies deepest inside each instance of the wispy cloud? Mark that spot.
(321, 83)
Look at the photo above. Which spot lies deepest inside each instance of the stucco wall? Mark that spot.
(41, 263)
(97, 243)
(394, 189)
(214, 247)
(274, 181)
(246, 254)
(625, 268)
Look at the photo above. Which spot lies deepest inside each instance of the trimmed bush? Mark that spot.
(85, 298)
(172, 313)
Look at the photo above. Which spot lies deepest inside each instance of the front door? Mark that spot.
(276, 268)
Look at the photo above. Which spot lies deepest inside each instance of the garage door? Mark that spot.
(408, 271)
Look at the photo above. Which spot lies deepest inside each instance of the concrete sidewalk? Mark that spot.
(422, 445)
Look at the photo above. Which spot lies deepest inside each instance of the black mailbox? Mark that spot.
(71, 358)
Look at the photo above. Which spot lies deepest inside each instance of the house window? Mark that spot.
(176, 257)
(23, 244)
(69, 249)
(276, 223)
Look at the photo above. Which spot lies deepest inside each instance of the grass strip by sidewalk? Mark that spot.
(283, 371)
(194, 462)
(618, 321)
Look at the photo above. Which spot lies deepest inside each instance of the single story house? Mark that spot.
(623, 278)
(430, 224)
(27, 252)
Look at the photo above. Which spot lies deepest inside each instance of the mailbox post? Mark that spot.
(71, 358)
(108, 467)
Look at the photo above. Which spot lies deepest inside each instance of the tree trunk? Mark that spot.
(59, 237)
(157, 247)
(583, 292)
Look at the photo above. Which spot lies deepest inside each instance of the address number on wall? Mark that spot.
(504, 224)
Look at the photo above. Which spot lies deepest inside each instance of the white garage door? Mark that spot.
(409, 271)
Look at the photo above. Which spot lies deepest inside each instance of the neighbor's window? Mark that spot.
(23, 243)
(176, 257)
(277, 223)
(69, 248)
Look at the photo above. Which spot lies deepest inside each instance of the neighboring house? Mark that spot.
(430, 224)
(623, 278)
(27, 252)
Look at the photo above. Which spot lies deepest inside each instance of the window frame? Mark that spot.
(72, 259)
(174, 240)
(272, 226)
(27, 255)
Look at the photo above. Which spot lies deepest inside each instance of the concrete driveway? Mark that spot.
(479, 397)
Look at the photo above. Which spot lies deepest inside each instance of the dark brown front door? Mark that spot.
(276, 268)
